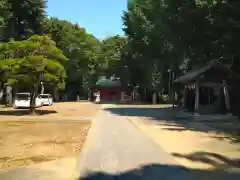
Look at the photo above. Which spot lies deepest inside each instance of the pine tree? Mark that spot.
(25, 19)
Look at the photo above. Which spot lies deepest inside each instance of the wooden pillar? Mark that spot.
(173, 89)
(122, 96)
(196, 96)
(173, 98)
(226, 95)
(184, 102)
(209, 95)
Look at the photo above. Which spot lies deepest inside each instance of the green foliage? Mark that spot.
(178, 35)
(31, 61)
(21, 19)
(27, 51)
(4, 12)
(88, 58)
(112, 51)
(149, 53)
(82, 49)
(5, 71)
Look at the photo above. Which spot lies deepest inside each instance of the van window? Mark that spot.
(44, 96)
(22, 96)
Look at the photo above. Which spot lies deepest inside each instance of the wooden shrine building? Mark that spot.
(110, 90)
(206, 89)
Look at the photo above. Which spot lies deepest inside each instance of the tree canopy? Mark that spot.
(178, 35)
(112, 51)
(81, 48)
(88, 57)
(32, 61)
(21, 19)
(161, 37)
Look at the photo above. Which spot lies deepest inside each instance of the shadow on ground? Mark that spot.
(169, 117)
(124, 103)
(164, 172)
(24, 112)
(218, 161)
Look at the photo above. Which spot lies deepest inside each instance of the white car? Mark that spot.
(22, 100)
(46, 99)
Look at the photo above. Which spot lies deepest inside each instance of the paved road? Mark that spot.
(116, 149)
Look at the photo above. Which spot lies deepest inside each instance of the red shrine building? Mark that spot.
(110, 90)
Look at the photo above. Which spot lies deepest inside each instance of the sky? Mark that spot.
(101, 18)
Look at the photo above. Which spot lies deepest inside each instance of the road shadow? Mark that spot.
(164, 172)
(24, 112)
(124, 103)
(218, 161)
(167, 113)
(172, 120)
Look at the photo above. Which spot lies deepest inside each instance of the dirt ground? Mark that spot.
(30, 142)
(72, 109)
(62, 110)
(194, 144)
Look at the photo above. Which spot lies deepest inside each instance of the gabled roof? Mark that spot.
(103, 82)
(194, 74)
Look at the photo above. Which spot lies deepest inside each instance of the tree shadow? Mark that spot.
(167, 113)
(124, 102)
(24, 112)
(216, 160)
(164, 172)
(172, 120)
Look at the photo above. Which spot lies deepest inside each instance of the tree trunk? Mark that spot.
(4, 96)
(56, 95)
(15, 91)
(1, 92)
(33, 99)
(89, 94)
(9, 99)
(42, 88)
(154, 97)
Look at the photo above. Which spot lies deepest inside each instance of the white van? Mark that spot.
(47, 99)
(22, 100)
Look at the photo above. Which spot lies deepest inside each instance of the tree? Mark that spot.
(150, 52)
(32, 61)
(83, 51)
(22, 18)
(167, 34)
(112, 50)
(4, 17)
